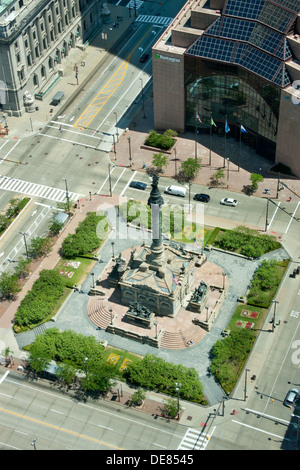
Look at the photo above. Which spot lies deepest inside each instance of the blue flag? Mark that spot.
(227, 128)
(243, 129)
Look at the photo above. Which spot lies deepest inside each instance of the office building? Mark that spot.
(35, 38)
(233, 65)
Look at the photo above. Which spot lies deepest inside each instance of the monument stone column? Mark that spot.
(155, 202)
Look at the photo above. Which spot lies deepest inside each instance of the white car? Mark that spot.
(227, 201)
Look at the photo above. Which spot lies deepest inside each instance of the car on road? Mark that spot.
(144, 57)
(201, 197)
(227, 201)
(291, 397)
(138, 185)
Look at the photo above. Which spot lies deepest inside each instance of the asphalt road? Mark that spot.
(60, 422)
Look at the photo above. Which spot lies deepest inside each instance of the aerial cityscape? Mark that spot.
(149, 227)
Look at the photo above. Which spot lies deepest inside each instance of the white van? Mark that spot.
(176, 190)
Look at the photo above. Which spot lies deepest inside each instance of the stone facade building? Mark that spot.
(35, 38)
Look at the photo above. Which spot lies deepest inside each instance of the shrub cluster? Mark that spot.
(246, 241)
(229, 356)
(162, 141)
(85, 239)
(265, 282)
(153, 373)
(39, 302)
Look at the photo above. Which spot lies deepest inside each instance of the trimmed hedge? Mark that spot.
(40, 301)
(85, 239)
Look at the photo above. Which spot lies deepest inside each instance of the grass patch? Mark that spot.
(74, 271)
(241, 316)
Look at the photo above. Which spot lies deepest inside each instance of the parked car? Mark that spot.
(291, 397)
(137, 185)
(202, 197)
(227, 201)
(144, 57)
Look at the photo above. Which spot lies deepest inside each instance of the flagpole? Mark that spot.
(240, 148)
(210, 140)
(225, 141)
(196, 142)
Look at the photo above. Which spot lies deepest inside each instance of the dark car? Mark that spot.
(202, 197)
(144, 57)
(137, 185)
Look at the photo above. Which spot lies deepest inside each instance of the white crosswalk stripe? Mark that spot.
(36, 190)
(161, 20)
(135, 4)
(194, 440)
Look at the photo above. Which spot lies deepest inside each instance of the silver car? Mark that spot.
(227, 201)
(291, 397)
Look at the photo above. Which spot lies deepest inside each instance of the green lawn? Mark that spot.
(238, 317)
(72, 274)
(119, 358)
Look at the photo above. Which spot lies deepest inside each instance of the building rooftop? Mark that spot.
(252, 35)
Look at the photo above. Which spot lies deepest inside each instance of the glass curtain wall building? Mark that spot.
(242, 71)
(233, 63)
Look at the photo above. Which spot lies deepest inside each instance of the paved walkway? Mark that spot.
(250, 162)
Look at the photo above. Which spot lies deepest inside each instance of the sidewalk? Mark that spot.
(250, 161)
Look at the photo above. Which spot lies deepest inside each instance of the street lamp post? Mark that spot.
(245, 390)
(85, 365)
(111, 315)
(33, 443)
(93, 280)
(155, 324)
(227, 172)
(267, 213)
(178, 385)
(67, 193)
(109, 179)
(129, 147)
(113, 249)
(117, 131)
(273, 320)
(25, 243)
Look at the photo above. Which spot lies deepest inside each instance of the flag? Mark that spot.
(243, 129)
(212, 123)
(196, 243)
(227, 128)
(198, 117)
(174, 279)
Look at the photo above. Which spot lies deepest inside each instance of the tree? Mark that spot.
(22, 269)
(9, 285)
(159, 161)
(40, 246)
(138, 397)
(255, 179)
(189, 169)
(217, 176)
(171, 407)
(55, 227)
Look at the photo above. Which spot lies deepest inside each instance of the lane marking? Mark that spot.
(117, 416)
(261, 430)
(67, 140)
(107, 90)
(4, 376)
(59, 428)
(267, 416)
